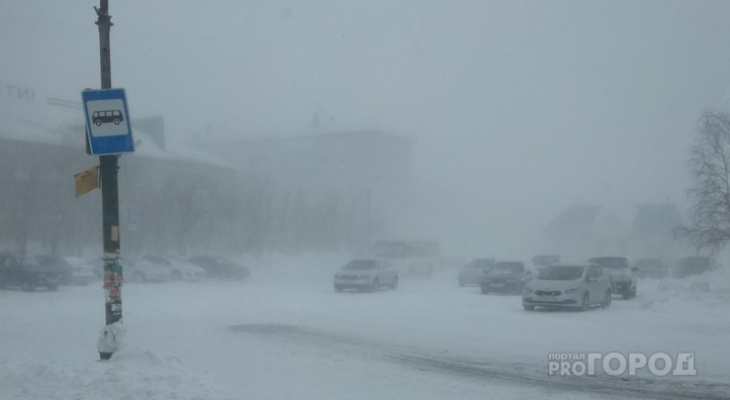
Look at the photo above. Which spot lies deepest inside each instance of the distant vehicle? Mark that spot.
(568, 286)
(220, 267)
(622, 273)
(505, 277)
(653, 268)
(366, 275)
(72, 270)
(543, 260)
(107, 116)
(18, 270)
(696, 265)
(180, 269)
(474, 271)
(412, 258)
(138, 270)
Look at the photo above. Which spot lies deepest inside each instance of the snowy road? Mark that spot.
(296, 338)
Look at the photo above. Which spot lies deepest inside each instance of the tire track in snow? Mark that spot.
(514, 373)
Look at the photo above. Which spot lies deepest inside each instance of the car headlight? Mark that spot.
(573, 290)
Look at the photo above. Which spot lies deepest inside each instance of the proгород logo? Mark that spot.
(618, 364)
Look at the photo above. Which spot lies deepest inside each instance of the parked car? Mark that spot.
(622, 273)
(474, 271)
(220, 267)
(23, 271)
(696, 265)
(180, 269)
(505, 277)
(569, 286)
(138, 270)
(72, 270)
(652, 268)
(366, 275)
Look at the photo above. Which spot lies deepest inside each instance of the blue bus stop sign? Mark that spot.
(107, 121)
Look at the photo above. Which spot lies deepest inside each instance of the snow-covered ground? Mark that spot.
(285, 334)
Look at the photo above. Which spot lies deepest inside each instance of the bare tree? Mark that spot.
(709, 166)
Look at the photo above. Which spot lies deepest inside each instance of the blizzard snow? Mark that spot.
(285, 334)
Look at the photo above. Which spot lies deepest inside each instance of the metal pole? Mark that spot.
(110, 203)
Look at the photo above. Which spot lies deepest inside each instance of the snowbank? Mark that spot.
(709, 290)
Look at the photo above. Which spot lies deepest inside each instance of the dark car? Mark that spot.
(653, 268)
(18, 270)
(505, 277)
(474, 272)
(622, 272)
(696, 265)
(220, 267)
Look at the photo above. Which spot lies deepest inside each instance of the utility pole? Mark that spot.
(108, 166)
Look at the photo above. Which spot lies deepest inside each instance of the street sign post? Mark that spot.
(107, 121)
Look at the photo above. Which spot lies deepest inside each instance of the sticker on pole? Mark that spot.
(107, 121)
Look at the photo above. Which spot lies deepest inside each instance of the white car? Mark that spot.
(74, 271)
(136, 270)
(568, 286)
(81, 271)
(366, 275)
(180, 269)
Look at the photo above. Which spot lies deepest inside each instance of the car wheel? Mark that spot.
(485, 289)
(606, 300)
(116, 121)
(633, 291)
(627, 293)
(394, 285)
(97, 122)
(528, 307)
(374, 287)
(586, 303)
(176, 276)
(138, 277)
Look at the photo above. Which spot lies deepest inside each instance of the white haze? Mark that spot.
(519, 108)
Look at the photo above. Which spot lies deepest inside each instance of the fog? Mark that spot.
(518, 109)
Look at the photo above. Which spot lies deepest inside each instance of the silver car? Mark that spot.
(474, 272)
(366, 275)
(136, 270)
(180, 269)
(568, 285)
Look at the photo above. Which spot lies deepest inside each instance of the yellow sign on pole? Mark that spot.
(87, 181)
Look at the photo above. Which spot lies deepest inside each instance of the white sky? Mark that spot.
(520, 108)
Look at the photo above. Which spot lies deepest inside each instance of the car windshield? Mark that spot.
(360, 264)
(611, 262)
(561, 273)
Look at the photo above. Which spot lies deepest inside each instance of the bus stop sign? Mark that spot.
(107, 121)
